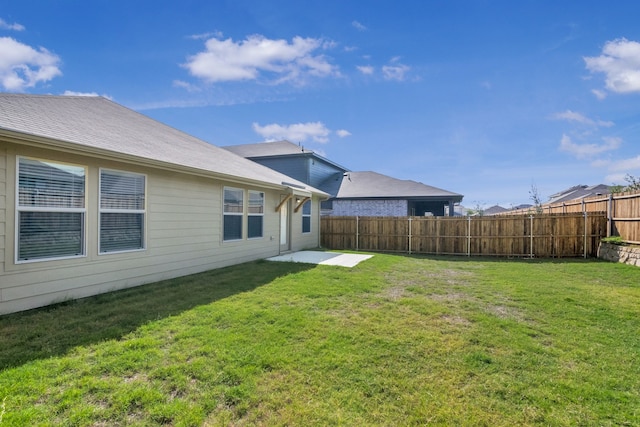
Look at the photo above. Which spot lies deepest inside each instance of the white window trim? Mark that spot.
(309, 215)
(249, 214)
(19, 209)
(133, 211)
(241, 214)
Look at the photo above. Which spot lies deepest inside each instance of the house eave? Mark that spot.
(73, 148)
(308, 154)
(455, 197)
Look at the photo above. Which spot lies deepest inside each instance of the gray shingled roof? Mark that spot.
(98, 125)
(579, 192)
(375, 185)
(276, 149)
(267, 149)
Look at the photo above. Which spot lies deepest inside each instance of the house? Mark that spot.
(298, 163)
(579, 192)
(352, 193)
(494, 210)
(96, 197)
(374, 194)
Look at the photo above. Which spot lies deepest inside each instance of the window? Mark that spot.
(233, 213)
(122, 211)
(306, 217)
(255, 214)
(50, 210)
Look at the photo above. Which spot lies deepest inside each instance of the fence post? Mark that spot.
(610, 215)
(469, 236)
(584, 243)
(357, 233)
(531, 236)
(410, 235)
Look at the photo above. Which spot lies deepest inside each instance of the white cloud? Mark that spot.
(342, 133)
(185, 85)
(205, 36)
(6, 26)
(621, 168)
(620, 62)
(298, 132)
(395, 72)
(615, 178)
(600, 94)
(365, 69)
(358, 26)
(572, 116)
(22, 66)
(89, 94)
(250, 59)
(626, 164)
(588, 150)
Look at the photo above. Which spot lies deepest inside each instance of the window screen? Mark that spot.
(50, 210)
(256, 214)
(306, 217)
(233, 213)
(122, 211)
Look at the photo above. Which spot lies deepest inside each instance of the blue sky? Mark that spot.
(482, 98)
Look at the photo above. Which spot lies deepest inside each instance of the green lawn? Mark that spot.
(395, 341)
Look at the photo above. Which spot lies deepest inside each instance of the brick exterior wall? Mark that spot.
(370, 208)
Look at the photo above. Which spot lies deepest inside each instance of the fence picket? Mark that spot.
(541, 236)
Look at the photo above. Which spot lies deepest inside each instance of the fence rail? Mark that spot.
(622, 211)
(541, 236)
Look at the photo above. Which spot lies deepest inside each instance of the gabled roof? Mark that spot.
(495, 209)
(579, 192)
(285, 148)
(358, 185)
(98, 126)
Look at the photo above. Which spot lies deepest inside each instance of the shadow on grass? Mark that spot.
(494, 258)
(54, 330)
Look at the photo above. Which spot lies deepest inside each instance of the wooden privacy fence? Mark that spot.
(541, 236)
(622, 210)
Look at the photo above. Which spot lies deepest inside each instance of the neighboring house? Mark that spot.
(295, 161)
(578, 192)
(95, 197)
(522, 206)
(374, 194)
(352, 193)
(494, 210)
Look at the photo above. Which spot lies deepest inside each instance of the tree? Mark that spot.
(633, 183)
(476, 210)
(535, 198)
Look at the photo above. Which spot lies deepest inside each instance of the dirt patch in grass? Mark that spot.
(505, 312)
(456, 320)
(415, 278)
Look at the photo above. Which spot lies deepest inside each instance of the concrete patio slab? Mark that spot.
(322, 258)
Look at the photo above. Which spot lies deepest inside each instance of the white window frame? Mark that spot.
(49, 209)
(254, 215)
(102, 210)
(307, 215)
(240, 214)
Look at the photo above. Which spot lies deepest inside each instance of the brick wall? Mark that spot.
(370, 208)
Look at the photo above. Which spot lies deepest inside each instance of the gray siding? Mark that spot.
(295, 167)
(306, 169)
(320, 172)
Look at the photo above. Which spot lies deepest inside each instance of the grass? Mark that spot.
(394, 341)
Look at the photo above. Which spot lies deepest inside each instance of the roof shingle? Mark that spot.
(100, 124)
